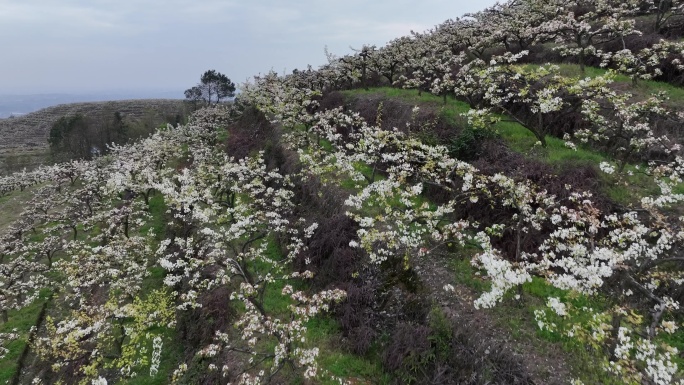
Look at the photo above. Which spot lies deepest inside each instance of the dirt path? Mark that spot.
(547, 367)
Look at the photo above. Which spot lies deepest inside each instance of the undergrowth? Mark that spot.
(516, 317)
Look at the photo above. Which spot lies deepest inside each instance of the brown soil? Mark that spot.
(548, 367)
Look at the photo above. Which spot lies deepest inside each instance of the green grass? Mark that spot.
(521, 140)
(450, 111)
(628, 189)
(171, 354)
(399, 93)
(465, 274)
(154, 280)
(573, 70)
(274, 302)
(643, 88)
(453, 111)
(222, 135)
(675, 340)
(352, 367)
(326, 145)
(157, 224)
(22, 320)
(323, 332)
(675, 93)
(12, 205)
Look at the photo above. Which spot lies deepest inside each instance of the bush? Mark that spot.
(409, 354)
(248, 134)
(467, 145)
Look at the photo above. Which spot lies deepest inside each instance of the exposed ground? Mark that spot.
(544, 362)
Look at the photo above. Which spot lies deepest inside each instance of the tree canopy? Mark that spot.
(213, 87)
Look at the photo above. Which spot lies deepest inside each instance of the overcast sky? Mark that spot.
(122, 45)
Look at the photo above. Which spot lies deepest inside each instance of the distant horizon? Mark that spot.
(22, 104)
(92, 92)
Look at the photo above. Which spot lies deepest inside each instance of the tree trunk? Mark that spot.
(580, 46)
(539, 132)
(126, 227)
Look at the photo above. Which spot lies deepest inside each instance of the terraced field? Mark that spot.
(23, 140)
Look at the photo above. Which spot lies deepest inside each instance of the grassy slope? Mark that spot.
(519, 317)
(618, 188)
(323, 331)
(20, 322)
(12, 205)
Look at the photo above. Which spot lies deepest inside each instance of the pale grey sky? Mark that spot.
(110, 45)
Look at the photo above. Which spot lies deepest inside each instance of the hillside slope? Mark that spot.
(448, 209)
(30, 132)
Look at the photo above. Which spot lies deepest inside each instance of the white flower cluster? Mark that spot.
(155, 360)
(557, 306)
(607, 168)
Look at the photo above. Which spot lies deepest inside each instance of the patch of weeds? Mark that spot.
(157, 223)
(467, 145)
(353, 368)
(466, 274)
(171, 355)
(221, 135)
(22, 321)
(441, 333)
(676, 340)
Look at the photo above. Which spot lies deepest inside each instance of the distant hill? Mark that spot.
(18, 105)
(30, 132)
(23, 139)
